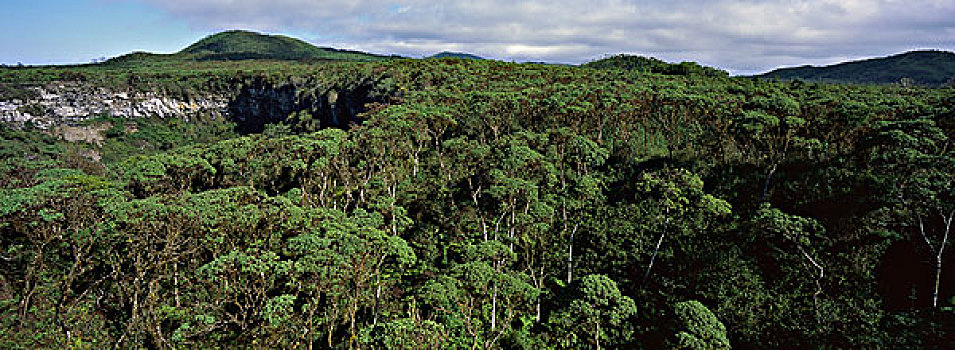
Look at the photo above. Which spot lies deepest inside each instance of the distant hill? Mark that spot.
(654, 65)
(926, 68)
(461, 55)
(244, 45)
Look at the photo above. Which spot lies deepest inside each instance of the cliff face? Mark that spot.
(69, 103)
(252, 105)
(302, 105)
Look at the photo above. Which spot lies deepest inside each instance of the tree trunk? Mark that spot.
(819, 278)
(653, 257)
(597, 336)
(539, 284)
(331, 329)
(769, 178)
(947, 220)
(656, 250)
(570, 256)
(494, 309)
(351, 324)
(310, 329)
(941, 249)
(938, 279)
(374, 321)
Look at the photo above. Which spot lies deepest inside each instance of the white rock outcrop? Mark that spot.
(68, 103)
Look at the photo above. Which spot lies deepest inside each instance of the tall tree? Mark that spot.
(677, 202)
(595, 314)
(914, 161)
(697, 328)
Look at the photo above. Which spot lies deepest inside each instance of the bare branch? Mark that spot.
(924, 236)
(948, 229)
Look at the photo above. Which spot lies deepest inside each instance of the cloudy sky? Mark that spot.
(742, 36)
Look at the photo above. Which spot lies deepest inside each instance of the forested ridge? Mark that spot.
(933, 68)
(477, 204)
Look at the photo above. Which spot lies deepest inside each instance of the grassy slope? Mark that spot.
(242, 44)
(239, 45)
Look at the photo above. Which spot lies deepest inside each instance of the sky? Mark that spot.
(741, 36)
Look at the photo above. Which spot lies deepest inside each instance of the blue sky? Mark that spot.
(743, 36)
(77, 31)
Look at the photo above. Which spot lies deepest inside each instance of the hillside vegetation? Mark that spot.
(244, 45)
(924, 68)
(233, 45)
(483, 204)
(461, 55)
(654, 65)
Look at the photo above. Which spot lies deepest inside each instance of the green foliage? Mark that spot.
(127, 138)
(697, 328)
(238, 45)
(924, 68)
(460, 55)
(11, 92)
(596, 315)
(478, 204)
(654, 65)
(479, 300)
(409, 333)
(801, 231)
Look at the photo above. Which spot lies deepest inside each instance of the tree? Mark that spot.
(408, 333)
(697, 328)
(805, 234)
(340, 268)
(596, 313)
(677, 196)
(479, 299)
(580, 185)
(769, 131)
(914, 161)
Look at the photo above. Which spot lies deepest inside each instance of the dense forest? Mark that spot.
(477, 204)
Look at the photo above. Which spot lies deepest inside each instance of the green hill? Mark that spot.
(653, 65)
(245, 45)
(925, 68)
(238, 44)
(461, 55)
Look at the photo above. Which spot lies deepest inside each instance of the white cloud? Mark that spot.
(742, 36)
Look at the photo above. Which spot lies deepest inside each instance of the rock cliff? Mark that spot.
(303, 105)
(252, 104)
(69, 103)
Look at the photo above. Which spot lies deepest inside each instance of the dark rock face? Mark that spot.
(258, 105)
(302, 106)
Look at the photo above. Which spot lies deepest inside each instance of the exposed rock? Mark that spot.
(67, 104)
(90, 134)
(255, 103)
(91, 154)
(303, 105)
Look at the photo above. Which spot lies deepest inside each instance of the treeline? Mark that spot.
(497, 205)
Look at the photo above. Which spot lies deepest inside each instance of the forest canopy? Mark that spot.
(482, 204)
